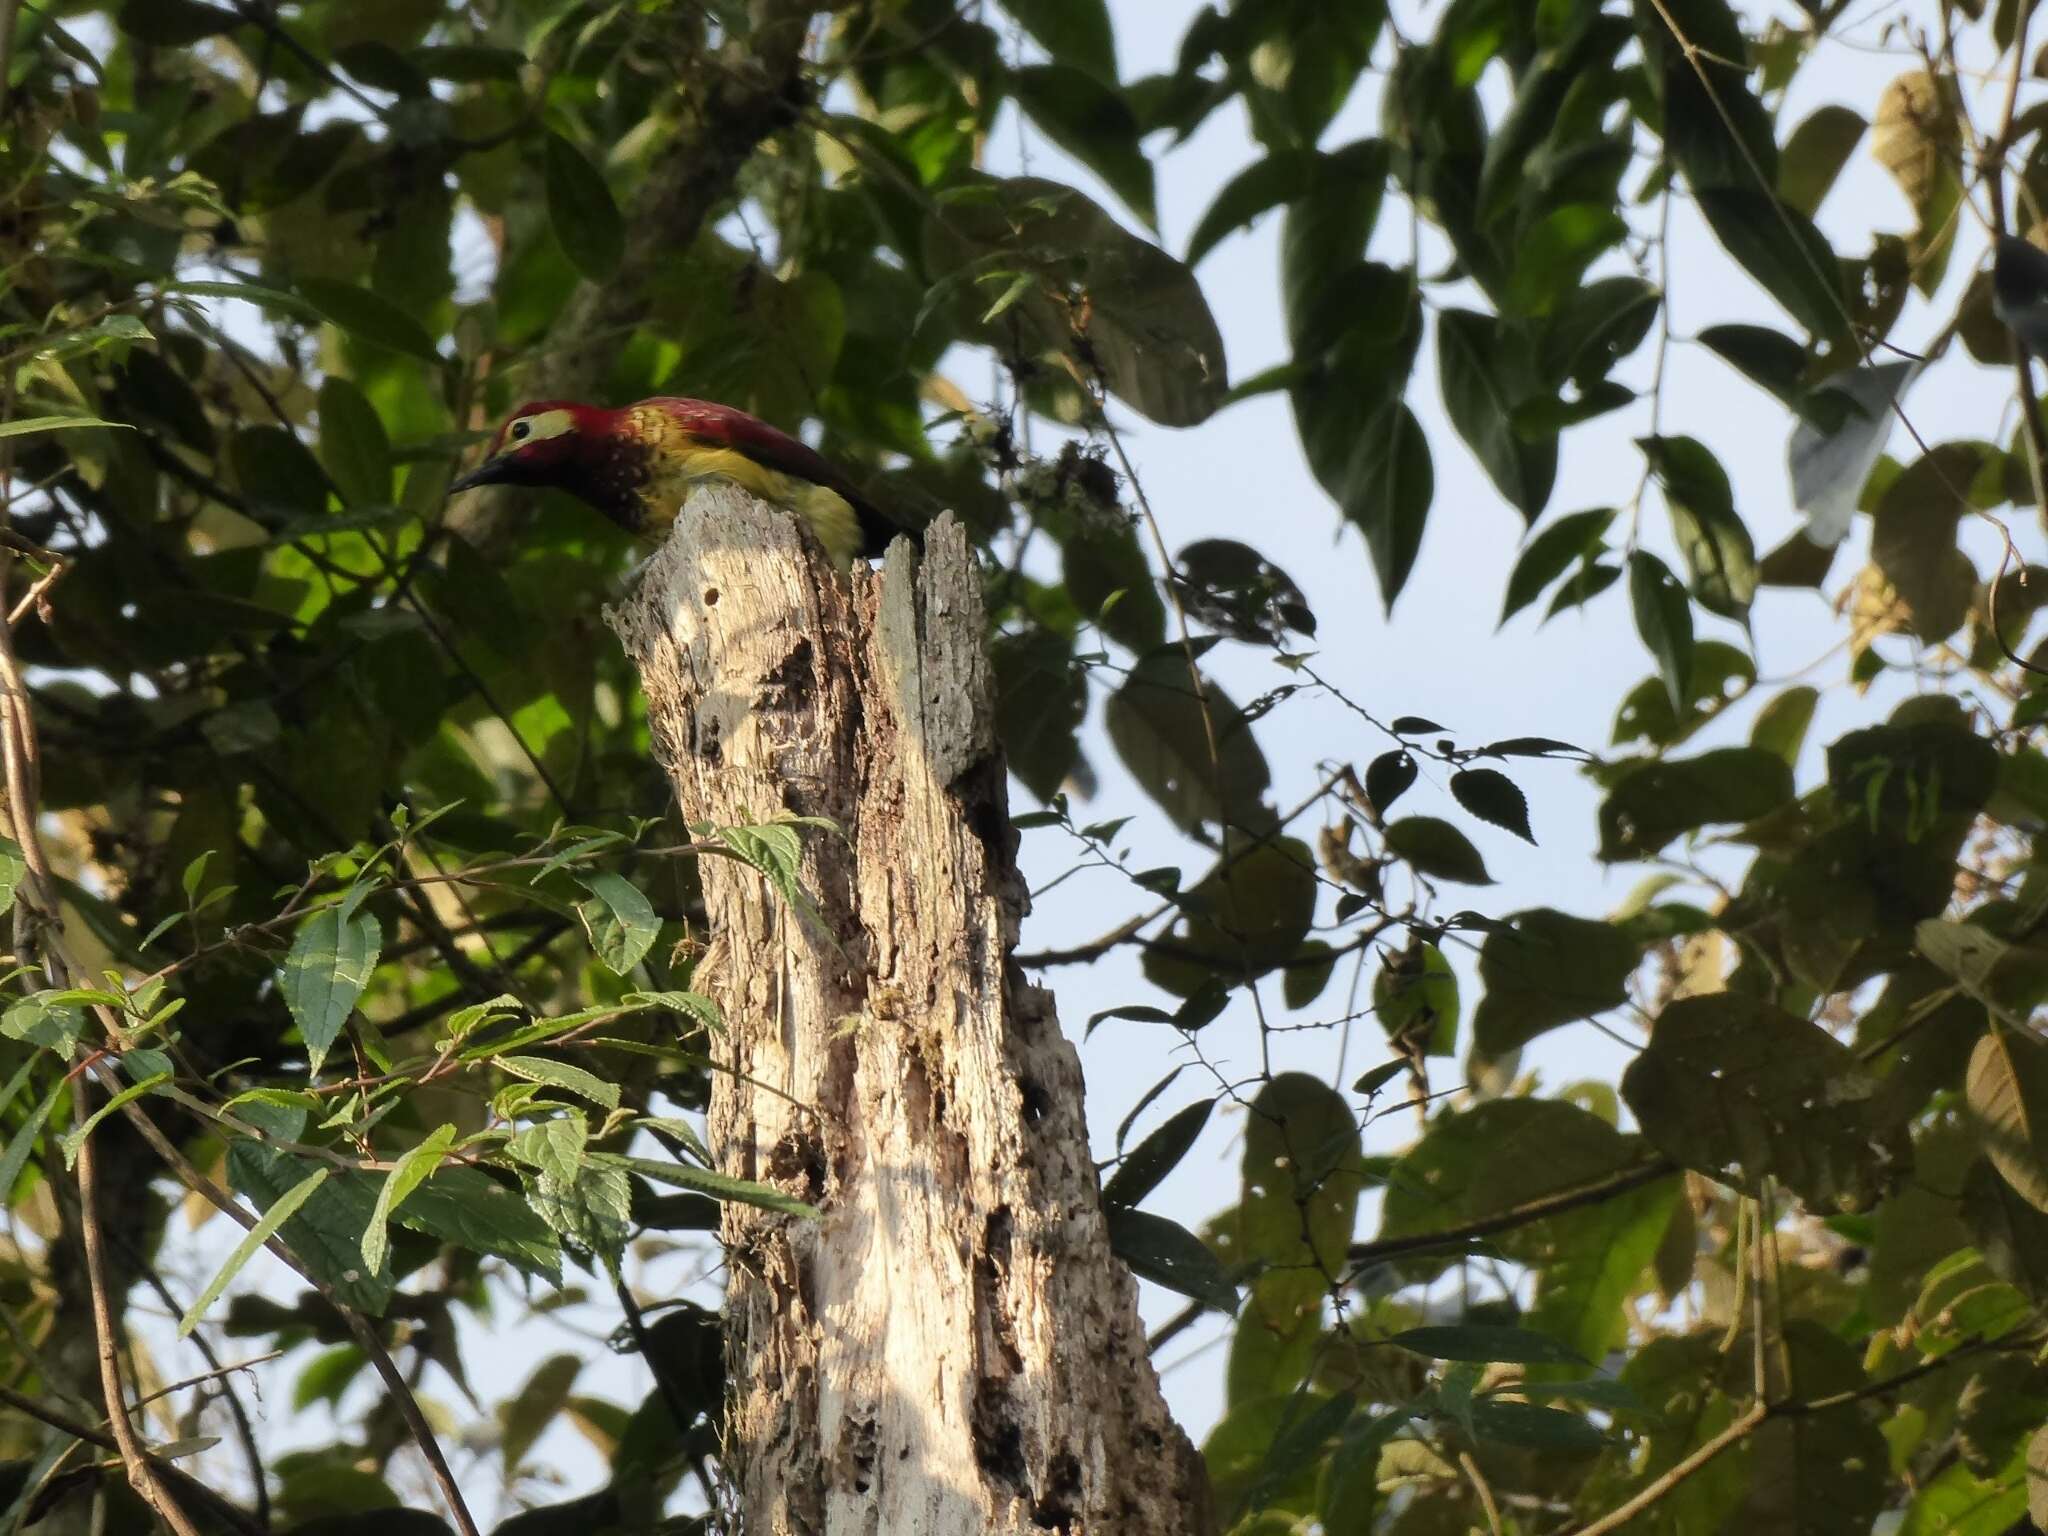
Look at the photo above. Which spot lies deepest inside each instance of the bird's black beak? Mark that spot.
(491, 472)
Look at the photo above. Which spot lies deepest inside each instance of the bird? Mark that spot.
(2019, 291)
(634, 464)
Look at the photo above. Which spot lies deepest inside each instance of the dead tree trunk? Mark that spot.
(952, 1350)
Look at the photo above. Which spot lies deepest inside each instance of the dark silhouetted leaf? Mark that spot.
(1492, 796)
(1281, 177)
(2007, 1094)
(353, 446)
(1479, 363)
(1712, 541)
(1232, 587)
(1168, 1254)
(1434, 847)
(368, 316)
(1551, 553)
(586, 221)
(1660, 800)
(1387, 778)
(1551, 969)
(1156, 722)
(1663, 616)
(1741, 1091)
(1156, 1156)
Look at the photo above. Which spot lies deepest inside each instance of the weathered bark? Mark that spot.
(952, 1348)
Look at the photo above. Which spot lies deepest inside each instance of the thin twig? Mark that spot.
(1361, 1254)
(1654, 1490)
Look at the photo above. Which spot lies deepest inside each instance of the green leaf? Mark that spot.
(326, 1233)
(1301, 1175)
(1388, 777)
(1781, 724)
(1436, 848)
(1913, 538)
(1415, 998)
(1041, 700)
(719, 1186)
(1246, 916)
(1553, 252)
(1715, 545)
(619, 920)
(1664, 619)
(1077, 32)
(407, 1175)
(175, 23)
(13, 870)
(472, 1209)
(1492, 796)
(1092, 122)
(1661, 799)
(74, 1139)
(1548, 969)
(1533, 1427)
(1281, 177)
(353, 446)
(2011, 1233)
(1815, 154)
(555, 1147)
(2006, 1091)
(42, 1021)
(1551, 553)
(558, 1074)
(534, 1406)
(1594, 327)
(279, 1212)
(1156, 1156)
(1485, 1342)
(580, 208)
(1783, 251)
(22, 426)
(1168, 1254)
(368, 316)
(1742, 1091)
(1145, 326)
(593, 1209)
(1477, 366)
(324, 974)
(16, 1155)
(1156, 721)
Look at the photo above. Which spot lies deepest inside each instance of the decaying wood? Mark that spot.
(952, 1349)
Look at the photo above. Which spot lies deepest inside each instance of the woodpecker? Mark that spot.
(634, 465)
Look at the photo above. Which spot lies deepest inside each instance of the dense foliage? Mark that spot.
(342, 879)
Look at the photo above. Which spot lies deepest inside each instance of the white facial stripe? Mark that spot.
(539, 427)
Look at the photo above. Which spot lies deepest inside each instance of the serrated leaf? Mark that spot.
(472, 1209)
(585, 219)
(326, 1233)
(555, 1147)
(325, 971)
(619, 920)
(705, 1181)
(558, 1074)
(1492, 796)
(41, 1021)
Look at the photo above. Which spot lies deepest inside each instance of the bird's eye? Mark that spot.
(519, 431)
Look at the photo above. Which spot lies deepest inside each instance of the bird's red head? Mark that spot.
(544, 442)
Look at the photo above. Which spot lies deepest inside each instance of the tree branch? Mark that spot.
(1621, 1183)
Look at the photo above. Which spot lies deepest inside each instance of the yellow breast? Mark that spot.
(680, 461)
